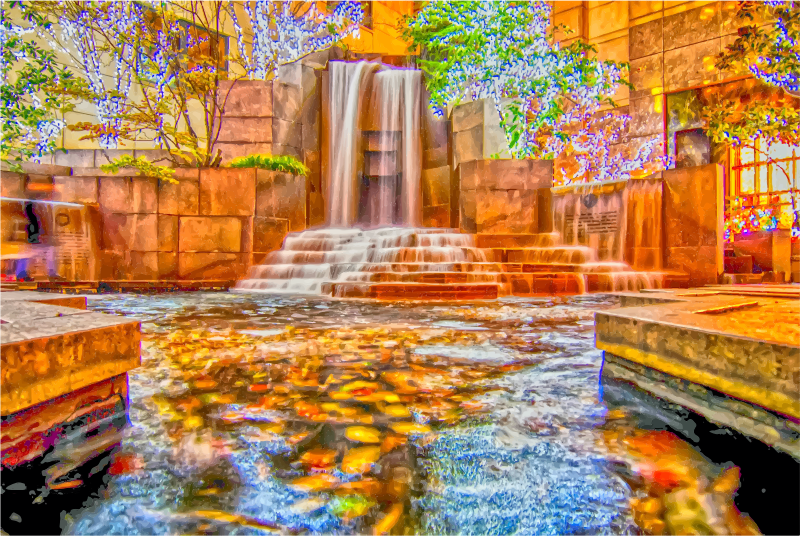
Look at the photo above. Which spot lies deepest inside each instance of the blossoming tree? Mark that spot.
(546, 94)
(160, 70)
(32, 104)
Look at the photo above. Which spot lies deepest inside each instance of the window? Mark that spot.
(763, 169)
(764, 179)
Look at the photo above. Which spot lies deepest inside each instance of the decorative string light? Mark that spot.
(515, 60)
(279, 36)
(592, 148)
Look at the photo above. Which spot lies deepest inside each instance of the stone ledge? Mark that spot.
(717, 407)
(749, 353)
(48, 351)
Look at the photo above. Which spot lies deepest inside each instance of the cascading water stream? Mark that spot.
(383, 245)
(342, 252)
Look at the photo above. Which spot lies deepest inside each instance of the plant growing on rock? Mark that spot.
(30, 96)
(283, 163)
(161, 71)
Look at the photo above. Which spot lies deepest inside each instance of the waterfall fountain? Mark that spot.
(372, 246)
(373, 202)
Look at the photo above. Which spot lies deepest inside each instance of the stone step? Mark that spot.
(517, 240)
(416, 291)
(421, 277)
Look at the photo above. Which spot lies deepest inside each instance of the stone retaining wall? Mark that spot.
(211, 224)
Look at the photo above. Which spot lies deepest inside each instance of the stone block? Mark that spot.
(646, 119)
(246, 244)
(167, 233)
(692, 26)
(268, 233)
(468, 206)
(282, 196)
(287, 99)
(287, 150)
(246, 98)
(143, 266)
(638, 8)
(75, 189)
(167, 265)
(467, 116)
(288, 133)
(436, 186)
(468, 145)
(436, 157)
(381, 163)
(506, 174)
(699, 262)
(607, 18)
(218, 234)
(311, 122)
(75, 158)
(199, 266)
(506, 211)
(291, 73)
(12, 184)
(231, 151)
(227, 192)
(494, 142)
(436, 216)
(129, 232)
(646, 39)
(693, 215)
(381, 140)
(114, 195)
(144, 197)
(647, 75)
(691, 65)
(246, 130)
(179, 198)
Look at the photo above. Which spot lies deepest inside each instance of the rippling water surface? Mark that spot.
(255, 414)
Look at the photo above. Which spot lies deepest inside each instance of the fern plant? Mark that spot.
(146, 167)
(284, 163)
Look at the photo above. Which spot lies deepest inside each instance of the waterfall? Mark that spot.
(398, 96)
(345, 91)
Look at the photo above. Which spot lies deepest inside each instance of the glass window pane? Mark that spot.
(779, 150)
(762, 179)
(747, 155)
(747, 180)
(781, 171)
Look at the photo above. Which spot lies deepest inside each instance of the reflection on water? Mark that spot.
(253, 414)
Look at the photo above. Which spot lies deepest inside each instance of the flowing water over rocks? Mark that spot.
(255, 414)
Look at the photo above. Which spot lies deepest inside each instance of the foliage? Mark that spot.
(147, 167)
(30, 99)
(590, 153)
(286, 164)
(175, 54)
(770, 53)
(504, 51)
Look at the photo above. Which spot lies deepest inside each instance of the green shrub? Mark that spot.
(286, 164)
(148, 168)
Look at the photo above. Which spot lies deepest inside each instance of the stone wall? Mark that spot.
(211, 224)
(439, 197)
(693, 219)
(503, 196)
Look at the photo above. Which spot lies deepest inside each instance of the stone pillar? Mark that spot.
(693, 220)
(502, 196)
(247, 119)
